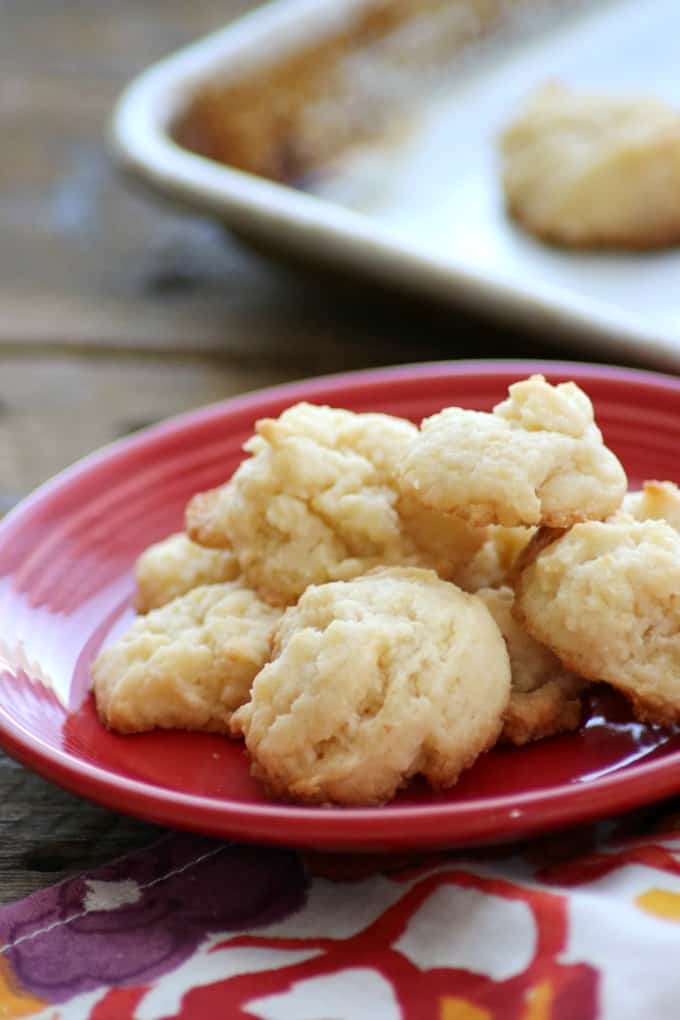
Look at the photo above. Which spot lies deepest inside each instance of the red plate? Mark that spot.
(66, 557)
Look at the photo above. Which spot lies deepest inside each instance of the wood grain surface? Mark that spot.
(116, 312)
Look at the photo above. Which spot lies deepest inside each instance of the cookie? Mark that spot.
(175, 566)
(589, 171)
(605, 597)
(544, 696)
(373, 681)
(493, 565)
(318, 501)
(187, 665)
(444, 543)
(538, 458)
(656, 501)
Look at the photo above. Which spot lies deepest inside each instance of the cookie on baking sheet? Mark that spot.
(655, 501)
(187, 665)
(318, 501)
(372, 681)
(544, 696)
(586, 170)
(605, 597)
(538, 458)
(176, 565)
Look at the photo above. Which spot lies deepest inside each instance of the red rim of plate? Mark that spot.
(488, 818)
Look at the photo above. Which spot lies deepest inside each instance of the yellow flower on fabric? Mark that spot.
(461, 1009)
(13, 1002)
(539, 1001)
(661, 903)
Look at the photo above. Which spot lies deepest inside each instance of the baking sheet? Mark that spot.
(440, 186)
(422, 206)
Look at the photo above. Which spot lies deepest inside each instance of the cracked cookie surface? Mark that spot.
(318, 501)
(187, 665)
(538, 458)
(175, 566)
(605, 597)
(372, 681)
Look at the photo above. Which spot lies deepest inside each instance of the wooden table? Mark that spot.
(116, 312)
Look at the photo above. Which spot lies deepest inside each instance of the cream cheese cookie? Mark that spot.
(187, 665)
(594, 171)
(372, 681)
(538, 458)
(655, 501)
(494, 564)
(444, 543)
(544, 696)
(176, 565)
(605, 597)
(318, 501)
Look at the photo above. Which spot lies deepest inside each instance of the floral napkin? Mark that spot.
(574, 927)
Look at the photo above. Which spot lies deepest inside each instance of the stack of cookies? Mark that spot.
(365, 601)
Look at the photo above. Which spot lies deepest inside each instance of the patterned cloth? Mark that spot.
(584, 926)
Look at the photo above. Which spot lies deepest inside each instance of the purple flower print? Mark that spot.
(164, 901)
